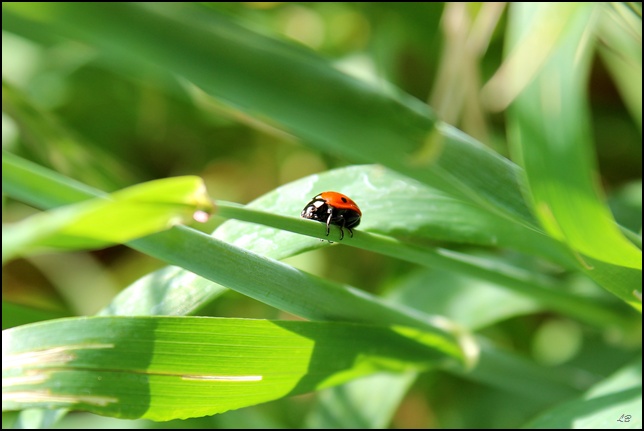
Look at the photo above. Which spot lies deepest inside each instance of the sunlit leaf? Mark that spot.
(116, 218)
(620, 33)
(166, 368)
(550, 130)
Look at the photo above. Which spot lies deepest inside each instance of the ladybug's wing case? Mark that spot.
(339, 201)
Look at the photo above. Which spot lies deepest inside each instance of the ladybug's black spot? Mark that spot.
(344, 200)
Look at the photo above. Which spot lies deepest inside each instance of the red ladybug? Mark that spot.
(333, 208)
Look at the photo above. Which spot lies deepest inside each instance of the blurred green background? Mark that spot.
(149, 124)
(137, 123)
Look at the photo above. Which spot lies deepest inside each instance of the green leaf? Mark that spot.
(392, 204)
(550, 131)
(40, 187)
(614, 403)
(471, 302)
(169, 291)
(553, 136)
(119, 217)
(620, 31)
(165, 368)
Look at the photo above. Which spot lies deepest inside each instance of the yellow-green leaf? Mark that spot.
(116, 218)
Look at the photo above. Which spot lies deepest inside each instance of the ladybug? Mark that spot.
(333, 208)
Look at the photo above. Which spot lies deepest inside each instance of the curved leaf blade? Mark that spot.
(553, 137)
(116, 218)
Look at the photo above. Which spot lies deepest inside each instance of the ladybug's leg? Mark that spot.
(342, 231)
(328, 220)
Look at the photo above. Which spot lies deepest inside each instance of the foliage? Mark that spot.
(494, 281)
